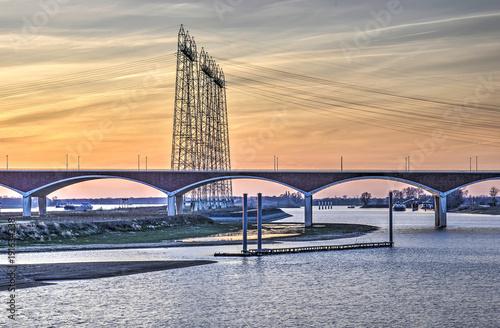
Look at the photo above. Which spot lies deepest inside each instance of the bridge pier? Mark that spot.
(179, 203)
(42, 205)
(308, 208)
(171, 205)
(27, 206)
(440, 211)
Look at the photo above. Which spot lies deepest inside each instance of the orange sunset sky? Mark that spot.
(307, 81)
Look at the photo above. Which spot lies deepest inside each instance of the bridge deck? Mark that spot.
(274, 251)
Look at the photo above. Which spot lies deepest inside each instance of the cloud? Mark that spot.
(18, 140)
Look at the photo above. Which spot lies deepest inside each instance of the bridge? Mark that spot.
(40, 183)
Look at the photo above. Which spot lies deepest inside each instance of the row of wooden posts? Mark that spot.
(325, 205)
(259, 222)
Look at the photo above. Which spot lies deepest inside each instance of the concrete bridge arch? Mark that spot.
(192, 186)
(472, 183)
(410, 182)
(42, 192)
(56, 185)
(175, 197)
(11, 188)
(439, 197)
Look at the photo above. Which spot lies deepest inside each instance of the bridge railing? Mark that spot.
(240, 170)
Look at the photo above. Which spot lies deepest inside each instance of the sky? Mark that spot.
(307, 81)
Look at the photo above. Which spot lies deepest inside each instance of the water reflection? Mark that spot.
(432, 277)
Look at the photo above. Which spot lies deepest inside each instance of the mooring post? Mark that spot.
(259, 222)
(245, 220)
(390, 219)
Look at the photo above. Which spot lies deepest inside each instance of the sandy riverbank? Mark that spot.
(141, 228)
(33, 275)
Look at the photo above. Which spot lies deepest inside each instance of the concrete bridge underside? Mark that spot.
(176, 183)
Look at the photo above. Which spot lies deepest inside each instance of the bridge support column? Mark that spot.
(42, 206)
(27, 206)
(308, 208)
(179, 202)
(171, 205)
(440, 211)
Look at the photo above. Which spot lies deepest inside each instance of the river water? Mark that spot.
(431, 278)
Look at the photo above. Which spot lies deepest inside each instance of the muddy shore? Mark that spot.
(34, 275)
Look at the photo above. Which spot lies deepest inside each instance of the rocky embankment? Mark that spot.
(49, 229)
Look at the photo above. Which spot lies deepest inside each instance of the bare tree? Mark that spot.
(365, 198)
(456, 198)
(493, 194)
(398, 195)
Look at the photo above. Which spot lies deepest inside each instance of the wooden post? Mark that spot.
(245, 224)
(259, 222)
(390, 219)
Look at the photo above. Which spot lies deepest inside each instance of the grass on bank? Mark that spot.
(220, 231)
(151, 225)
(137, 237)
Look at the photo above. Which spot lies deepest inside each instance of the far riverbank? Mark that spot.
(477, 210)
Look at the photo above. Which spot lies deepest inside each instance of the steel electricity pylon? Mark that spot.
(200, 136)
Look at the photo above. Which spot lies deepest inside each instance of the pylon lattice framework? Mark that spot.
(200, 136)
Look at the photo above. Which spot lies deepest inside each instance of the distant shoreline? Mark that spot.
(478, 210)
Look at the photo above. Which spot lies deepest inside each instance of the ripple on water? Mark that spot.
(432, 278)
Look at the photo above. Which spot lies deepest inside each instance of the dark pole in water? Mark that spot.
(259, 222)
(245, 219)
(390, 219)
